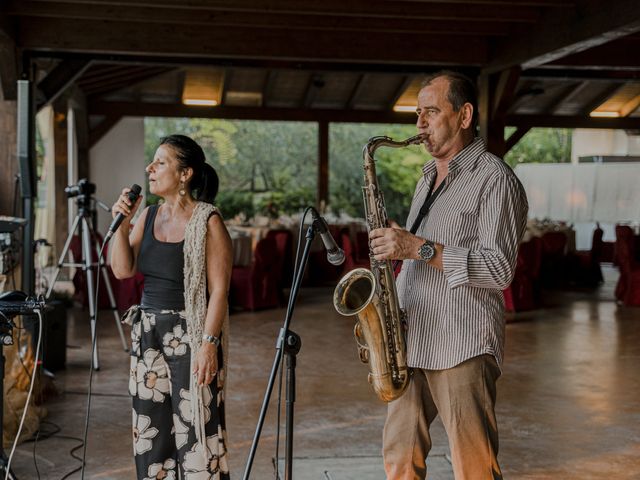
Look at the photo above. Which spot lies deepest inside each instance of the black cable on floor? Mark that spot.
(94, 342)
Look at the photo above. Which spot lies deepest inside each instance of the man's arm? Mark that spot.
(501, 225)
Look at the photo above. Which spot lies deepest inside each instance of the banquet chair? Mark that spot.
(256, 286)
(351, 259)
(585, 264)
(553, 267)
(284, 249)
(628, 287)
(523, 292)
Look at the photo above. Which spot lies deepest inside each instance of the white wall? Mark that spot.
(587, 142)
(117, 161)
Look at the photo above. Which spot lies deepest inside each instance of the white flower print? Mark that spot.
(148, 320)
(132, 376)
(185, 404)
(135, 339)
(175, 342)
(180, 431)
(142, 434)
(152, 376)
(162, 471)
(206, 462)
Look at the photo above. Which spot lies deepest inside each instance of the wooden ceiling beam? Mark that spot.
(599, 99)
(442, 10)
(593, 23)
(115, 84)
(582, 74)
(314, 84)
(106, 37)
(357, 88)
(569, 121)
(404, 83)
(630, 107)
(267, 19)
(58, 79)
(247, 113)
(515, 137)
(554, 102)
(621, 54)
(8, 66)
(267, 87)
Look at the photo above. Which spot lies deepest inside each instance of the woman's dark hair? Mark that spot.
(461, 90)
(204, 182)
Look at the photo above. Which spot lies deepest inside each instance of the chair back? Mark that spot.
(597, 245)
(284, 248)
(625, 248)
(554, 243)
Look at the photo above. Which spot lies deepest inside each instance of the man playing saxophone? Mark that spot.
(461, 257)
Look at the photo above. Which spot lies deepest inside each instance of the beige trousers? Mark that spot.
(465, 397)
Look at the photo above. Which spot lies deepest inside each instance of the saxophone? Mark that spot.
(371, 294)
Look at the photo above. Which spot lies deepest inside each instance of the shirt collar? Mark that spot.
(466, 159)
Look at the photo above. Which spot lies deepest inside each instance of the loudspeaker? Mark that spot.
(54, 335)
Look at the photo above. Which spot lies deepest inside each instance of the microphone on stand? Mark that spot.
(133, 195)
(335, 255)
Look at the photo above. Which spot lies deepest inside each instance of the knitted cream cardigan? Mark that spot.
(195, 301)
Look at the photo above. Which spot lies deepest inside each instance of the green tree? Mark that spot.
(540, 145)
(398, 169)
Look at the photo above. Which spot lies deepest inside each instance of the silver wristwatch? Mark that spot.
(427, 251)
(211, 339)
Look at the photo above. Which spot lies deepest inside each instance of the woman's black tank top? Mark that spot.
(162, 264)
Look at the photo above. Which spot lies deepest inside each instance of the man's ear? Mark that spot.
(467, 115)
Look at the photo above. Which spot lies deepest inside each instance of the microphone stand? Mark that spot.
(288, 343)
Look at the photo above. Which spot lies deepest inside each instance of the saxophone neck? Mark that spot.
(382, 141)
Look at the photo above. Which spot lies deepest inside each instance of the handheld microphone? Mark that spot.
(335, 255)
(133, 195)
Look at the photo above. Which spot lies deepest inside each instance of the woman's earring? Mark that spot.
(182, 191)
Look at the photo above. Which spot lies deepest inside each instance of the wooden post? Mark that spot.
(496, 93)
(323, 166)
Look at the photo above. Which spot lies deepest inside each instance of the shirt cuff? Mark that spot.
(455, 265)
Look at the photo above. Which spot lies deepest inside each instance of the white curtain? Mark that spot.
(45, 211)
(579, 193)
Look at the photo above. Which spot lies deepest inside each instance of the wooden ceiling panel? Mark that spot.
(336, 90)
(358, 57)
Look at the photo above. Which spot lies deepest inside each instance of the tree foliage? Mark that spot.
(271, 168)
(540, 145)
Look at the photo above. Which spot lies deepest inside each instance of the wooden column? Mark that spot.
(496, 92)
(323, 166)
(8, 160)
(60, 158)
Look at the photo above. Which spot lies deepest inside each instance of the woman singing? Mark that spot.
(178, 332)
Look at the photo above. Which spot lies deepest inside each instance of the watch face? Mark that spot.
(427, 251)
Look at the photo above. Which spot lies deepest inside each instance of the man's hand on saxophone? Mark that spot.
(400, 244)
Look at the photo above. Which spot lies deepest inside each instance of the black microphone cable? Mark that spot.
(94, 342)
(26, 405)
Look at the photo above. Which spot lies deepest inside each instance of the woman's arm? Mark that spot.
(125, 245)
(219, 257)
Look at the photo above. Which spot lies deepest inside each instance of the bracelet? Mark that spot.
(211, 339)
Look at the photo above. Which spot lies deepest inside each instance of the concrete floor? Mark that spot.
(568, 401)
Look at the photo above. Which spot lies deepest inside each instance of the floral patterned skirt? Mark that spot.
(164, 439)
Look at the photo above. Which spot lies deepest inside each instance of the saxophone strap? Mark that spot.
(424, 209)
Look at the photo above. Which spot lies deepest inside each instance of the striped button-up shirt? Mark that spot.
(480, 217)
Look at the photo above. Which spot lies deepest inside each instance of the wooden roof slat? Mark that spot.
(179, 16)
(148, 39)
(596, 22)
(441, 10)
